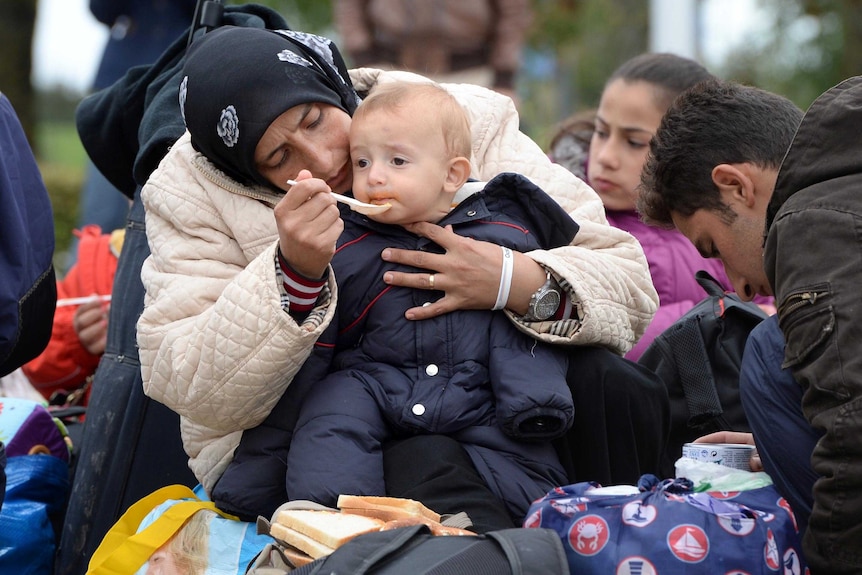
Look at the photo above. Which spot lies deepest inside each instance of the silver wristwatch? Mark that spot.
(545, 302)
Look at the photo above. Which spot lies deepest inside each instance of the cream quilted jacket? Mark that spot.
(216, 345)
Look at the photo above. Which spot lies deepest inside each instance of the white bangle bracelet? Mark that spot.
(505, 279)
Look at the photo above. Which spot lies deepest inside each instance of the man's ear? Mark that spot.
(735, 183)
(459, 171)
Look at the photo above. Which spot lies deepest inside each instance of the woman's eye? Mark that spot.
(601, 134)
(638, 145)
(317, 120)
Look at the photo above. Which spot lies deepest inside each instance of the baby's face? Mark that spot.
(399, 157)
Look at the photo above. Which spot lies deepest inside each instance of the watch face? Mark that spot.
(546, 304)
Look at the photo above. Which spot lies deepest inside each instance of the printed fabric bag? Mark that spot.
(668, 528)
(172, 531)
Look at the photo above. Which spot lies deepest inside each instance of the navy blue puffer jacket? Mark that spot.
(487, 381)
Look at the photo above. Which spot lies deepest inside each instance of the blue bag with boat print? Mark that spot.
(668, 528)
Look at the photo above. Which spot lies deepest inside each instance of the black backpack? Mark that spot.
(415, 551)
(698, 358)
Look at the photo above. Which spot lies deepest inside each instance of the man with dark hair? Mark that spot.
(722, 173)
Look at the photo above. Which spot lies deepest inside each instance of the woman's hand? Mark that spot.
(90, 322)
(468, 273)
(308, 225)
(738, 437)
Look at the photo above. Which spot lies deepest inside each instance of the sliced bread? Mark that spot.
(386, 508)
(331, 528)
(302, 542)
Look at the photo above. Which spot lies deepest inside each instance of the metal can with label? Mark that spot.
(735, 455)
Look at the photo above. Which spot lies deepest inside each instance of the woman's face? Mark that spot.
(309, 136)
(626, 120)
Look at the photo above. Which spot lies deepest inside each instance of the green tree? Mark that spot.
(16, 41)
(587, 40)
(811, 46)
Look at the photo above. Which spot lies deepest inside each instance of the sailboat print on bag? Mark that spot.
(749, 532)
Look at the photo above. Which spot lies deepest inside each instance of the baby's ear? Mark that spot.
(459, 171)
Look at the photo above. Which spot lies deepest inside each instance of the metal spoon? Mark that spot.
(355, 204)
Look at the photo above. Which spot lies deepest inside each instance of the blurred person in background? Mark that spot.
(570, 144)
(140, 30)
(459, 41)
(62, 372)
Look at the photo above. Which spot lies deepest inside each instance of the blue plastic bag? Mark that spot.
(36, 491)
(667, 528)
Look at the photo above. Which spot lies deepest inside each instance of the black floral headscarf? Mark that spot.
(237, 80)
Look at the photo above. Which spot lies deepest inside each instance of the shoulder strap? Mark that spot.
(536, 550)
(709, 284)
(365, 553)
(685, 343)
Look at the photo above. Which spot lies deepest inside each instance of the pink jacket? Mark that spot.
(673, 261)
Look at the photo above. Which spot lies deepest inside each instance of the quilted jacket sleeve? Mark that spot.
(605, 266)
(216, 346)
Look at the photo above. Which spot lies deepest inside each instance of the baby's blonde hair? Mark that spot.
(439, 103)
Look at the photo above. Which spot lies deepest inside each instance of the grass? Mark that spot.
(60, 146)
(62, 161)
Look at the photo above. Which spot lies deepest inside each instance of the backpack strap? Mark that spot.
(412, 549)
(685, 343)
(546, 553)
(362, 555)
(709, 284)
(690, 356)
(209, 14)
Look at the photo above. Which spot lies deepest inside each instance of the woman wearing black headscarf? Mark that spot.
(236, 298)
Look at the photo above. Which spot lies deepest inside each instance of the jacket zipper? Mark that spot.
(258, 193)
(797, 300)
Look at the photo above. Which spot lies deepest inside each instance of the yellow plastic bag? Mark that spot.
(152, 522)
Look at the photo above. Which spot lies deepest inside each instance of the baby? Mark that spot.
(469, 374)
